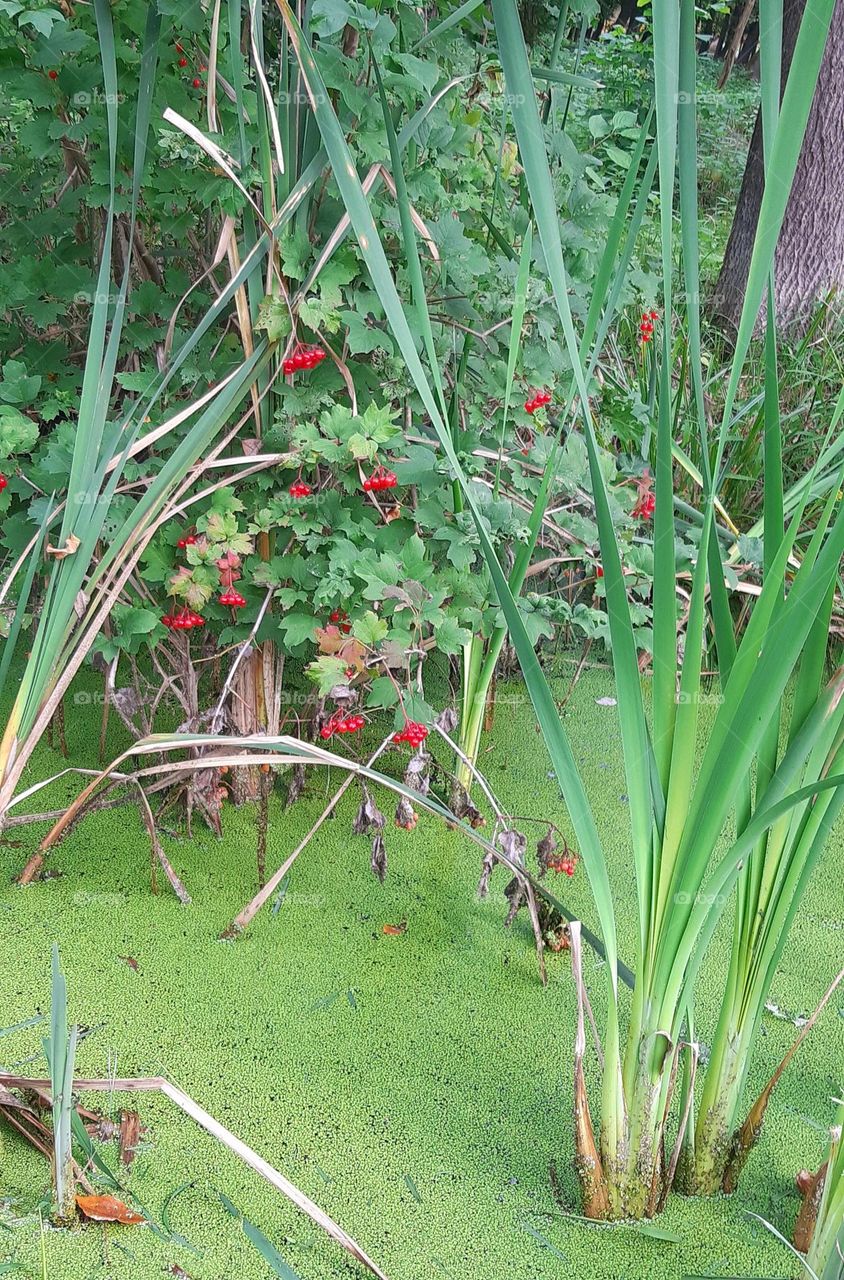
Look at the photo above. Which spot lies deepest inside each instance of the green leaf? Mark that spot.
(331, 16)
(138, 622)
(382, 693)
(415, 560)
(451, 637)
(18, 433)
(370, 629)
(43, 20)
(363, 337)
(16, 385)
(298, 627)
(327, 672)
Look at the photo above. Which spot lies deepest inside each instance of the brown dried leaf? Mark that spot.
(546, 848)
(69, 548)
(368, 817)
(406, 815)
(378, 858)
(447, 720)
(106, 1208)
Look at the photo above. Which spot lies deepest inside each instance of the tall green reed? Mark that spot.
(684, 877)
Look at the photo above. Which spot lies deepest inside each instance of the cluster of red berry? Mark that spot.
(340, 619)
(646, 325)
(537, 401)
(184, 620)
(566, 862)
(303, 358)
(233, 599)
(3, 483)
(183, 62)
(380, 479)
(189, 540)
(299, 489)
(412, 732)
(342, 724)
(645, 507)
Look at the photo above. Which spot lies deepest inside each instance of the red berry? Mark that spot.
(190, 540)
(181, 544)
(232, 599)
(167, 620)
(197, 83)
(3, 483)
(54, 75)
(599, 572)
(380, 479)
(325, 732)
(412, 732)
(183, 62)
(299, 489)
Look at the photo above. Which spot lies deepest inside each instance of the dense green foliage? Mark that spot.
(335, 357)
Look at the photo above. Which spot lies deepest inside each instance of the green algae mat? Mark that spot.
(417, 1084)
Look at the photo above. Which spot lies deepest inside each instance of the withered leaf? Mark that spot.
(368, 817)
(406, 815)
(69, 548)
(106, 1208)
(447, 720)
(378, 858)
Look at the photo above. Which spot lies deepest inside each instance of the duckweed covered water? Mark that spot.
(416, 1085)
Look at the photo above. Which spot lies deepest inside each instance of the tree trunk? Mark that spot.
(810, 251)
(734, 47)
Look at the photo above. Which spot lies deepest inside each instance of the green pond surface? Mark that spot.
(419, 1086)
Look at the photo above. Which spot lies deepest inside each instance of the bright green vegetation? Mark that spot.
(446, 1074)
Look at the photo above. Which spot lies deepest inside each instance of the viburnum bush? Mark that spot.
(359, 518)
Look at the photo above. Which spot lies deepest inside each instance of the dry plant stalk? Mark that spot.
(157, 1084)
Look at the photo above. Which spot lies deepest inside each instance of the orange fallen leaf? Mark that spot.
(108, 1209)
(69, 548)
(395, 930)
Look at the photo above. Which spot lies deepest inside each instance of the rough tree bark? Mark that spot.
(810, 252)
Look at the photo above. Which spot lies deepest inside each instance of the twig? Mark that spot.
(243, 920)
(476, 774)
